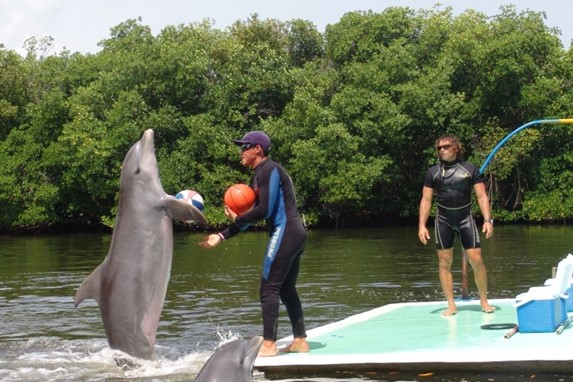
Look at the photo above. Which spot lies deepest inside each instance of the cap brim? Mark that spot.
(239, 142)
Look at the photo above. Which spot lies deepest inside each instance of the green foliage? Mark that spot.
(14, 91)
(27, 194)
(552, 199)
(353, 113)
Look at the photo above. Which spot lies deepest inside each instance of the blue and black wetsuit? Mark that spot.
(453, 184)
(276, 203)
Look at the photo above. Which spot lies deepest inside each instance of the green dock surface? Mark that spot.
(415, 336)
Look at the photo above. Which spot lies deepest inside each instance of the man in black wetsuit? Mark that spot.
(276, 204)
(453, 180)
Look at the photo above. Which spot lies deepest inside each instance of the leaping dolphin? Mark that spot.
(232, 362)
(130, 284)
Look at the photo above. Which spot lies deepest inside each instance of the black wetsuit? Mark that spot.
(276, 203)
(453, 184)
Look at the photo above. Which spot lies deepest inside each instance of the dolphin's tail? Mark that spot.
(90, 287)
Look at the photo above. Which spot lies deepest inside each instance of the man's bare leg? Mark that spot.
(480, 276)
(445, 257)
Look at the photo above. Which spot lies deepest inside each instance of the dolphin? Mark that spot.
(129, 286)
(232, 362)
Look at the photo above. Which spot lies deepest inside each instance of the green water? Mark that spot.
(213, 294)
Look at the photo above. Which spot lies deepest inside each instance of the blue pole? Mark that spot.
(508, 136)
(484, 166)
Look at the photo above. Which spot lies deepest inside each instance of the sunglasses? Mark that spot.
(247, 146)
(445, 147)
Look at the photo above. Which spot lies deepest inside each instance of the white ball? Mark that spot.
(192, 197)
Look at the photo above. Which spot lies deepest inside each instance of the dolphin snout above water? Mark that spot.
(131, 282)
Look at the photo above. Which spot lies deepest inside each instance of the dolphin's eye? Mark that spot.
(137, 171)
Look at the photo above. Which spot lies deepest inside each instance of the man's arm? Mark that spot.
(483, 201)
(424, 214)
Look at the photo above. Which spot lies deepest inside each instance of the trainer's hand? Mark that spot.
(423, 235)
(230, 214)
(211, 241)
(487, 228)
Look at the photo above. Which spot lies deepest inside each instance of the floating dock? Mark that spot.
(415, 337)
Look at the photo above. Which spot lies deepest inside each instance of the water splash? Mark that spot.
(52, 359)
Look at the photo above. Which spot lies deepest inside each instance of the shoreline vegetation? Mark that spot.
(180, 227)
(353, 113)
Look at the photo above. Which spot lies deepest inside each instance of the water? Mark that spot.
(213, 296)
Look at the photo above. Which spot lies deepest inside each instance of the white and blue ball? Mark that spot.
(191, 197)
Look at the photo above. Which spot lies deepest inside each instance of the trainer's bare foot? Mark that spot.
(298, 345)
(486, 308)
(449, 312)
(268, 349)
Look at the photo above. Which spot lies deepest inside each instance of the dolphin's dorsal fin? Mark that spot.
(183, 211)
(90, 288)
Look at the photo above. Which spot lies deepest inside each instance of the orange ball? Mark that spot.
(240, 198)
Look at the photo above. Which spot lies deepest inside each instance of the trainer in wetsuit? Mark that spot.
(276, 204)
(453, 180)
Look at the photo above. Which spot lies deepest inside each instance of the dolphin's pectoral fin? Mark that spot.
(90, 288)
(180, 210)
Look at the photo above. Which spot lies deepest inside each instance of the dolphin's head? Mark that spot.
(141, 157)
(232, 362)
(147, 158)
(139, 170)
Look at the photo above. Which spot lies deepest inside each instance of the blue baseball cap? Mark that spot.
(255, 138)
